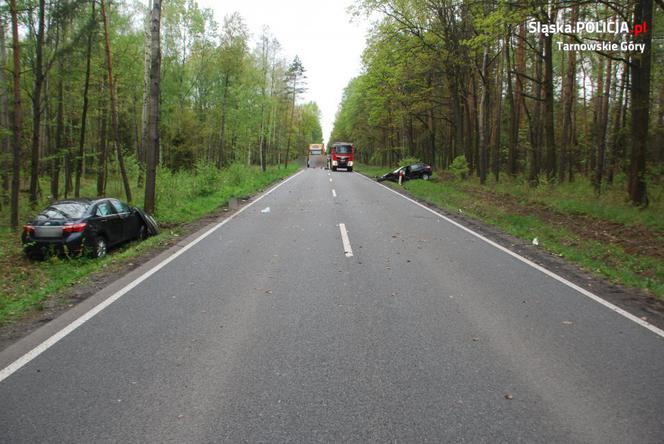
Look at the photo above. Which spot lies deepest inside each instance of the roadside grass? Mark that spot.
(182, 197)
(609, 260)
(579, 197)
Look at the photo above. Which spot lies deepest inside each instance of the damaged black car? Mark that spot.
(408, 172)
(82, 226)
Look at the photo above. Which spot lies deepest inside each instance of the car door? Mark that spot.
(128, 220)
(108, 222)
(415, 171)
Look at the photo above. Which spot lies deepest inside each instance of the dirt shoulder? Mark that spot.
(634, 239)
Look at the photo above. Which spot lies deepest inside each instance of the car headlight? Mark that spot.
(334, 162)
(350, 163)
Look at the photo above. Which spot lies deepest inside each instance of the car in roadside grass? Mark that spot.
(83, 226)
(414, 171)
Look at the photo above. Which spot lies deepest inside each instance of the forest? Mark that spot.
(478, 85)
(99, 94)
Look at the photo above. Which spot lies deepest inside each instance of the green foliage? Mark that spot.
(236, 173)
(437, 75)
(460, 167)
(207, 178)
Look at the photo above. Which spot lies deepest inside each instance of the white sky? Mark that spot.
(320, 32)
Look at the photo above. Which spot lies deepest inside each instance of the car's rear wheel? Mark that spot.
(350, 169)
(35, 254)
(99, 247)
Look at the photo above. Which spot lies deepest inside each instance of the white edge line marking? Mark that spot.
(344, 238)
(583, 291)
(334, 193)
(41, 348)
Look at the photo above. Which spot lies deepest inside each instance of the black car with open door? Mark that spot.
(73, 227)
(415, 171)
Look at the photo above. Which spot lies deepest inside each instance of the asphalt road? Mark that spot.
(268, 330)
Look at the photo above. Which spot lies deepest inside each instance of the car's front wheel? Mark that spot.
(425, 176)
(142, 233)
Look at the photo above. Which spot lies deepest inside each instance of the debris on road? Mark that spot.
(265, 210)
(535, 241)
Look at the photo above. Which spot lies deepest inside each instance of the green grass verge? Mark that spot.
(607, 260)
(182, 197)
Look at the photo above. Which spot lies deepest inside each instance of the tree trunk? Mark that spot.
(549, 130)
(153, 119)
(640, 89)
(60, 128)
(36, 103)
(432, 136)
(514, 119)
(602, 127)
(569, 99)
(103, 143)
(518, 100)
(616, 150)
(261, 138)
(659, 129)
(84, 114)
(222, 130)
(51, 145)
(495, 161)
(536, 121)
(5, 148)
(114, 105)
(142, 155)
(597, 112)
(457, 111)
(16, 139)
(290, 123)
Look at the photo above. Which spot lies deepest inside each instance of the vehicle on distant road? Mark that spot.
(73, 227)
(415, 171)
(342, 156)
(316, 157)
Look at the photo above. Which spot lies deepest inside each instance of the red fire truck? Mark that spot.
(342, 155)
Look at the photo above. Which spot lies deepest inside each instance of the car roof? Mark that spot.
(84, 200)
(69, 201)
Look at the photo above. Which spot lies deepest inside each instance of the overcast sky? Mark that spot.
(320, 32)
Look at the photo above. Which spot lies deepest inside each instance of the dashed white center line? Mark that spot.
(344, 238)
(330, 179)
(334, 193)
